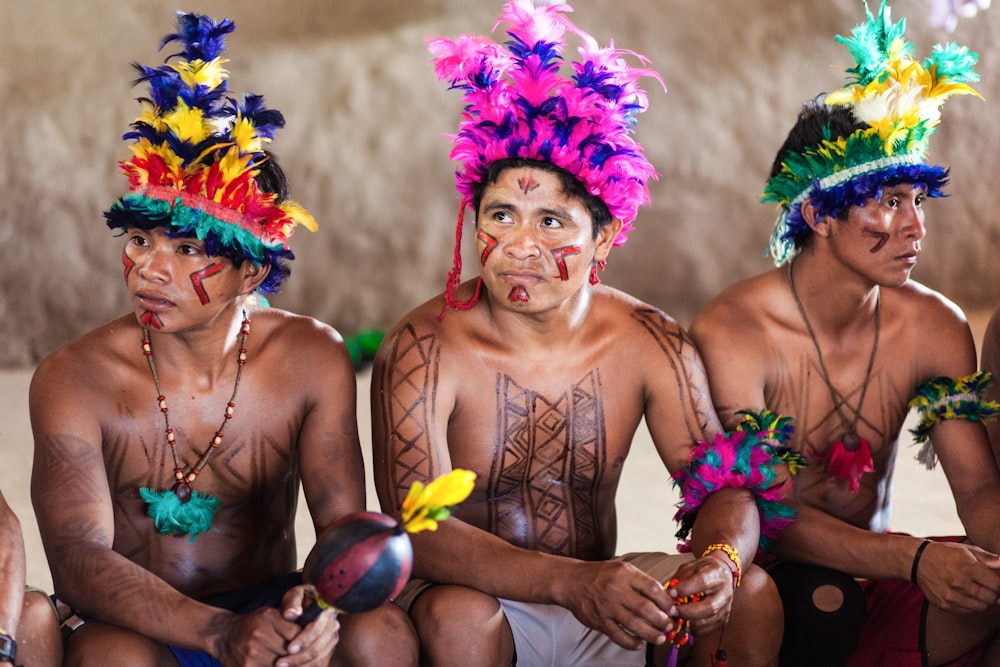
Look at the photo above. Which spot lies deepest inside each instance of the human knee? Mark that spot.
(382, 636)
(447, 617)
(824, 614)
(101, 645)
(38, 615)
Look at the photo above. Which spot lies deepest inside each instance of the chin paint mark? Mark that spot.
(527, 184)
(151, 319)
(559, 254)
(198, 276)
(518, 295)
(128, 263)
(881, 238)
(489, 243)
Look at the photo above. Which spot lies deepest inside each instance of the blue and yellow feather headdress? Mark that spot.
(898, 100)
(197, 153)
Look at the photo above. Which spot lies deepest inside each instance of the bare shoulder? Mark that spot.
(741, 313)
(939, 317)
(930, 329)
(91, 362)
(299, 345)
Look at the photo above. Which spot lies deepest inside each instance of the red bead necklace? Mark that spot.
(184, 480)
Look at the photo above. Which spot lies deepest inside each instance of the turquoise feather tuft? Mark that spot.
(172, 517)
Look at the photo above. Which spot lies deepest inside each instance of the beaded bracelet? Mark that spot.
(916, 560)
(733, 554)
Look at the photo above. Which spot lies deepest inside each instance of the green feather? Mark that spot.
(172, 517)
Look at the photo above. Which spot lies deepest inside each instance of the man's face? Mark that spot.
(882, 238)
(535, 244)
(172, 281)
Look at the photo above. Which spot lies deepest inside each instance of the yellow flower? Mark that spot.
(425, 506)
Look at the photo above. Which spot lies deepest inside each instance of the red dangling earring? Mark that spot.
(600, 264)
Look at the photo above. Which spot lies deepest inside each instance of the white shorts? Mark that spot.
(547, 635)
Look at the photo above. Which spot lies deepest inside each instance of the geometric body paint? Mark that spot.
(489, 244)
(882, 237)
(129, 264)
(151, 319)
(198, 276)
(518, 294)
(527, 184)
(559, 254)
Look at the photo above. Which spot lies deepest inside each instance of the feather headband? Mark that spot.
(897, 101)
(197, 153)
(518, 105)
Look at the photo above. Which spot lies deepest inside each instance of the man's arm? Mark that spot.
(991, 363)
(12, 569)
(412, 403)
(679, 414)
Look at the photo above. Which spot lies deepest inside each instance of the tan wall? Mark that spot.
(364, 150)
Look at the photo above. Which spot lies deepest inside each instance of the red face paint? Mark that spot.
(128, 263)
(489, 244)
(518, 295)
(527, 184)
(151, 319)
(882, 237)
(559, 254)
(198, 276)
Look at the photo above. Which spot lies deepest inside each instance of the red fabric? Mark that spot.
(891, 635)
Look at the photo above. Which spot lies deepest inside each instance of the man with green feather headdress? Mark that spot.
(840, 339)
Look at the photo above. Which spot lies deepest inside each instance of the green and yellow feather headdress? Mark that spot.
(897, 100)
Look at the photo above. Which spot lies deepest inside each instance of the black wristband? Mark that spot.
(8, 649)
(916, 560)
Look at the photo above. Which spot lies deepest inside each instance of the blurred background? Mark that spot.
(365, 151)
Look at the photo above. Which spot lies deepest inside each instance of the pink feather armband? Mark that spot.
(745, 458)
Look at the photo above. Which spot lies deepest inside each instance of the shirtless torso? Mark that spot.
(292, 364)
(550, 436)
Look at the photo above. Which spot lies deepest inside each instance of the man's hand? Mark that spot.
(959, 577)
(711, 576)
(619, 600)
(269, 636)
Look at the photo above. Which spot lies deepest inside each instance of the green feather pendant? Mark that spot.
(173, 517)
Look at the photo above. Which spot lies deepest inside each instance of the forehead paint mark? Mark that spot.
(489, 244)
(518, 295)
(881, 239)
(559, 254)
(527, 183)
(151, 319)
(128, 263)
(198, 276)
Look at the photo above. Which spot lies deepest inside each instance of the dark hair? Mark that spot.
(816, 122)
(571, 187)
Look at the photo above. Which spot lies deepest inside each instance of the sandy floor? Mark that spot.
(923, 504)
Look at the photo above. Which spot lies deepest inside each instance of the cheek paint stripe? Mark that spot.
(559, 254)
(128, 263)
(882, 237)
(198, 276)
(490, 244)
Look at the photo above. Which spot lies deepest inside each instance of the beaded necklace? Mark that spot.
(850, 456)
(181, 509)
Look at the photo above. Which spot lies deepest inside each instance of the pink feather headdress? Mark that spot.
(518, 104)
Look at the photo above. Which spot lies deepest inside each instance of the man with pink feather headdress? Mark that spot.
(536, 376)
